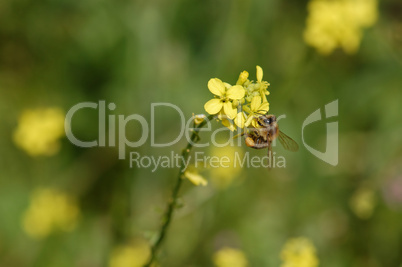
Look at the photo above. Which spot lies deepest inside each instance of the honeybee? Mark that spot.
(259, 138)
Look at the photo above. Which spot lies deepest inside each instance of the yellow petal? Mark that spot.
(236, 92)
(264, 107)
(228, 124)
(242, 78)
(213, 106)
(259, 73)
(216, 87)
(195, 178)
(240, 119)
(246, 109)
(221, 115)
(255, 124)
(229, 110)
(227, 85)
(248, 121)
(255, 103)
(264, 97)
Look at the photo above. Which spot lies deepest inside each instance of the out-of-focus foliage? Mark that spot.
(55, 54)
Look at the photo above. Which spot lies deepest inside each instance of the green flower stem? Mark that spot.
(173, 200)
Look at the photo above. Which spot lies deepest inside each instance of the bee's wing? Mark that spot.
(287, 142)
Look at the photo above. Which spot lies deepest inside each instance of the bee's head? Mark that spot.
(266, 120)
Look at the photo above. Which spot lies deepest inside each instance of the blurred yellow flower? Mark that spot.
(338, 23)
(227, 170)
(299, 252)
(362, 202)
(50, 210)
(226, 94)
(192, 174)
(230, 257)
(39, 131)
(135, 254)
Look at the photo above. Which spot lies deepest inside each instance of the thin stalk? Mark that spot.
(173, 200)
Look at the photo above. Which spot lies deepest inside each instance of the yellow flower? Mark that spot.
(229, 99)
(338, 23)
(39, 131)
(299, 252)
(192, 174)
(230, 257)
(131, 255)
(226, 94)
(50, 210)
(257, 108)
(362, 202)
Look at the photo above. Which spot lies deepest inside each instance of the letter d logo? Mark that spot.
(331, 153)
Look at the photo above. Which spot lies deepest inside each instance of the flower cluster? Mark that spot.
(239, 104)
(50, 210)
(39, 131)
(299, 252)
(338, 23)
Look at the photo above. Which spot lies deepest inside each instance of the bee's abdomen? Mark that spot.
(259, 143)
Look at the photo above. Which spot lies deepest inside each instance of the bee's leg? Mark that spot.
(240, 134)
(258, 142)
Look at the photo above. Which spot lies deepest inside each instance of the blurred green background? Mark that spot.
(58, 53)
